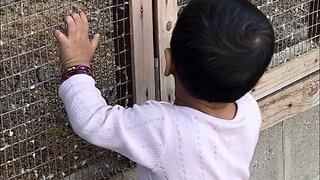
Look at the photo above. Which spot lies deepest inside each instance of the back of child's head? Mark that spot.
(221, 48)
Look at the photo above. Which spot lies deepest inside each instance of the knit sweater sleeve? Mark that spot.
(139, 133)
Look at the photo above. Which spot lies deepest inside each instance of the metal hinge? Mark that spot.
(156, 63)
(157, 78)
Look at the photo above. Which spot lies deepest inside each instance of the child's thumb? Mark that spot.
(95, 40)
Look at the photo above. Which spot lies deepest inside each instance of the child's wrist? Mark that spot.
(66, 66)
(76, 69)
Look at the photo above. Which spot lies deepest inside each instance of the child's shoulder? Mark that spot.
(247, 103)
(250, 107)
(157, 103)
(248, 100)
(152, 106)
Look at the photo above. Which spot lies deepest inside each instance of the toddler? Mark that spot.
(219, 51)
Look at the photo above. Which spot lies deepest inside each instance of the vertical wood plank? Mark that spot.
(143, 52)
(165, 19)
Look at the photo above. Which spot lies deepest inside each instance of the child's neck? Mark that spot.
(225, 111)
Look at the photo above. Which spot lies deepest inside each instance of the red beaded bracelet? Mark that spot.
(77, 69)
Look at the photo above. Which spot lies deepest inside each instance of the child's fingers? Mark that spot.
(72, 29)
(61, 38)
(95, 41)
(77, 19)
(84, 19)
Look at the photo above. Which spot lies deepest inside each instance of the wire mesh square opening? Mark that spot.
(36, 142)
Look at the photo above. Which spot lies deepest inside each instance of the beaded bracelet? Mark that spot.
(77, 69)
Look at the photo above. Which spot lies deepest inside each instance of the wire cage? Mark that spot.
(296, 24)
(35, 140)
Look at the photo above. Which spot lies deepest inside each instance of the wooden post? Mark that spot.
(165, 19)
(143, 50)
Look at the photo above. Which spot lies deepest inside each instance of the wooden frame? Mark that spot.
(165, 18)
(298, 91)
(290, 101)
(142, 45)
(287, 74)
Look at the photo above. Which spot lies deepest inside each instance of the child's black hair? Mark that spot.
(221, 48)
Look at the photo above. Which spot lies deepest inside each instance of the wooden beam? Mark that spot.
(165, 19)
(143, 53)
(290, 101)
(287, 74)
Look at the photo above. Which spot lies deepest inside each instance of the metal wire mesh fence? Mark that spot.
(296, 24)
(35, 140)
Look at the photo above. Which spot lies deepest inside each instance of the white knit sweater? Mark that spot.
(165, 140)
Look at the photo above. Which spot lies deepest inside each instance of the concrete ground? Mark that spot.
(289, 150)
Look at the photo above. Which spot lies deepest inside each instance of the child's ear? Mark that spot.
(170, 66)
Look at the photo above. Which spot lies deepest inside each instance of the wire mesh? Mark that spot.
(182, 3)
(35, 139)
(296, 24)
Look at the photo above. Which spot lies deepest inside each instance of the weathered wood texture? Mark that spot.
(287, 74)
(165, 19)
(290, 101)
(143, 64)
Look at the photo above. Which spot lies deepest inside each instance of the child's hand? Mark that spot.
(76, 48)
